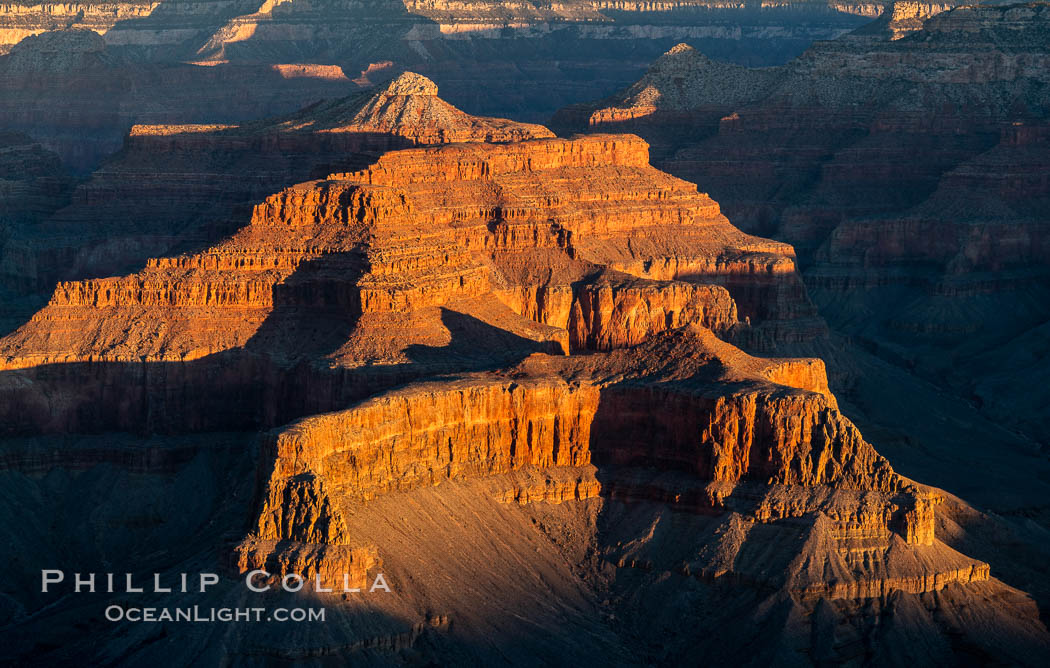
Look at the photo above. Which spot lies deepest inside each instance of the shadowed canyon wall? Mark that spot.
(907, 171)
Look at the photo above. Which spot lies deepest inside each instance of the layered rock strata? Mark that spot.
(77, 75)
(78, 96)
(231, 29)
(357, 281)
(33, 180)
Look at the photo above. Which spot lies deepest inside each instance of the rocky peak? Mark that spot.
(62, 41)
(681, 58)
(684, 78)
(410, 83)
(57, 51)
(678, 50)
(409, 107)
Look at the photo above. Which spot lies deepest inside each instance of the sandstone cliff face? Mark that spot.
(683, 420)
(607, 315)
(482, 426)
(415, 438)
(901, 18)
(23, 19)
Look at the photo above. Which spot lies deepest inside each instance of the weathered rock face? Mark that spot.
(908, 173)
(484, 425)
(417, 437)
(407, 108)
(511, 357)
(901, 18)
(454, 228)
(951, 67)
(683, 420)
(26, 19)
(608, 314)
(236, 29)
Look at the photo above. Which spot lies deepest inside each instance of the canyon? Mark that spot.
(741, 364)
(909, 173)
(537, 383)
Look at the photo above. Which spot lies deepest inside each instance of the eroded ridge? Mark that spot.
(683, 419)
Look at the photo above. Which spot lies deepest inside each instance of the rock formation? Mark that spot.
(507, 377)
(532, 419)
(33, 180)
(233, 29)
(902, 17)
(567, 244)
(78, 96)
